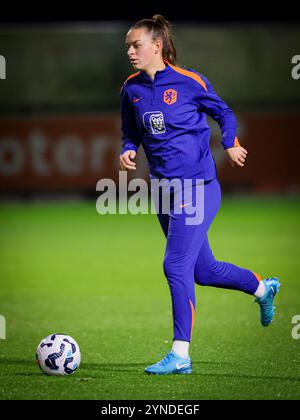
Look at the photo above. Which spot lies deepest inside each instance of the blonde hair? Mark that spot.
(159, 27)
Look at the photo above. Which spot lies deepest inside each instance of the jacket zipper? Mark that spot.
(153, 99)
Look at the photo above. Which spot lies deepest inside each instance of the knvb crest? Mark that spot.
(154, 122)
(170, 96)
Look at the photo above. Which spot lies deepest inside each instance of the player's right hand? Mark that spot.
(126, 163)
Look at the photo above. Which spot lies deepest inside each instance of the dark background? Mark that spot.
(65, 64)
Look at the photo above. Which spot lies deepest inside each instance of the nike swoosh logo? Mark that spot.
(136, 99)
(184, 205)
(182, 366)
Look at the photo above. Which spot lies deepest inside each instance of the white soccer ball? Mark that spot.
(58, 354)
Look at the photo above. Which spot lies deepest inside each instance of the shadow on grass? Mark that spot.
(21, 364)
(138, 368)
(132, 368)
(249, 377)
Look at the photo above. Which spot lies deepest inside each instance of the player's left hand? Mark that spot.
(236, 155)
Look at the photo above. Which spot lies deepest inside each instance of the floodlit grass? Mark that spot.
(65, 268)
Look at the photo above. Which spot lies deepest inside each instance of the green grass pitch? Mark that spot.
(65, 268)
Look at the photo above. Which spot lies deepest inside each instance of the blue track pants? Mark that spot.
(188, 258)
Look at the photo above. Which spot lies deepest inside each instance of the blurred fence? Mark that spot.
(59, 103)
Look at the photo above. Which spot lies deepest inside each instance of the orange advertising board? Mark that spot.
(76, 151)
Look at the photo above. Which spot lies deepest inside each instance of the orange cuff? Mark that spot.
(236, 142)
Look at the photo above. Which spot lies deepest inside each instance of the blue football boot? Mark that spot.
(171, 363)
(265, 302)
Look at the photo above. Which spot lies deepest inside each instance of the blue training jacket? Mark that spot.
(167, 116)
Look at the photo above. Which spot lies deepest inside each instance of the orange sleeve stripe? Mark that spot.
(193, 317)
(131, 76)
(128, 78)
(259, 278)
(189, 74)
(236, 142)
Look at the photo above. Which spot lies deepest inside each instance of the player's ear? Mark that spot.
(158, 45)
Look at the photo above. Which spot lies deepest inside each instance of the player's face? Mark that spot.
(141, 49)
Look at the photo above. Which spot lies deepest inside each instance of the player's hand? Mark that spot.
(236, 155)
(126, 163)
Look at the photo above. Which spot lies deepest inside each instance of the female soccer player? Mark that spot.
(164, 107)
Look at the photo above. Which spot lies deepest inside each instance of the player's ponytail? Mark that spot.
(159, 27)
(169, 51)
